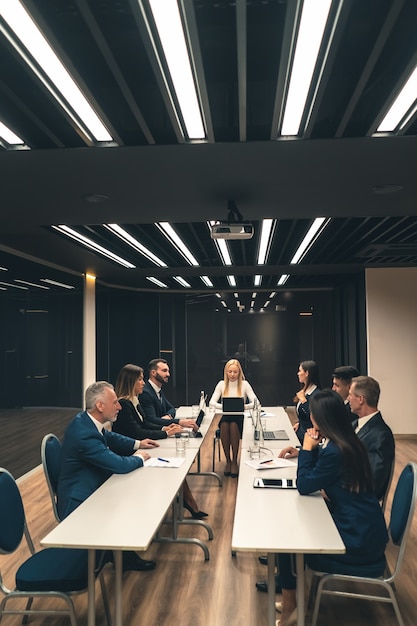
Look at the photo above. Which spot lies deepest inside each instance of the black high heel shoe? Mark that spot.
(194, 514)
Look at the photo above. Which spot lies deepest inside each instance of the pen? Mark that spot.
(164, 460)
(268, 461)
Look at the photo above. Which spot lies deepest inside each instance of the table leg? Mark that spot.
(91, 588)
(118, 567)
(299, 568)
(271, 588)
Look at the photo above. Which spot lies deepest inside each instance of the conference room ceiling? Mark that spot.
(335, 167)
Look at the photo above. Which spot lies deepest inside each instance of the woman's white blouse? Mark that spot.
(247, 393)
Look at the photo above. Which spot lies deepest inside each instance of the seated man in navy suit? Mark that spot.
(161, 412)
(91, 454)
(155, 405)
(371, 429)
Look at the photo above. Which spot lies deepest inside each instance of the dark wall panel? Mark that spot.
(41, 348)
(195, 339)
(127, 330)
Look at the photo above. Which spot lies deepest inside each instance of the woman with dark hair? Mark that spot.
(309, 378)
(131, 421)
(333, 460)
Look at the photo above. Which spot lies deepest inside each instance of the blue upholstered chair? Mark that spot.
(53, 572)
(51, 455)
(402, 512)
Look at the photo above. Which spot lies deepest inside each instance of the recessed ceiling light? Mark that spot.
(385, 189)
(96, 198)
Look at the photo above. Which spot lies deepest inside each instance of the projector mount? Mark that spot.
(235, 227)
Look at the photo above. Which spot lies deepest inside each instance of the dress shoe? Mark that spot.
(263, 560)
(227, 469)
(133, 562)
(262, 585)
(195, 514)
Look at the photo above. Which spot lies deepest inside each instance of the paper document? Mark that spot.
(271, 463)
(164, 462)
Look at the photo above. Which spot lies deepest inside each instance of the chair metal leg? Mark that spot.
(105, 600)
(28, 605)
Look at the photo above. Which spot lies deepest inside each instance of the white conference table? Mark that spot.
(125, 513)
(280, 520)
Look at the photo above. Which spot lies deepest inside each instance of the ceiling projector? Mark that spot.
(232, 230)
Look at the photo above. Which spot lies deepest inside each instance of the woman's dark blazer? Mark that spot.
(130, 424)
(358, 517)
(303, 414)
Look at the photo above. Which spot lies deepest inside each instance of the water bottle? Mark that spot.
(202, 401)
(256, 419)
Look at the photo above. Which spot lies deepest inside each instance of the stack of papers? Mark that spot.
(264, 464)
(164, 462)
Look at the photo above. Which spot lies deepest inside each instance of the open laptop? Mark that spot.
(233, 406)
(200, 417)
(275, 435)
(272, 435)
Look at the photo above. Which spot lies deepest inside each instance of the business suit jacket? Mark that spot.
(378, 439)
(358, 517)
(88, 459)
(154, 408)
(303, 414)
(129, 423)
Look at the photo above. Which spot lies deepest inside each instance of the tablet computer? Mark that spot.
(275, 483)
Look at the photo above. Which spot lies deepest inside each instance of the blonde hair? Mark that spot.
(239, 380)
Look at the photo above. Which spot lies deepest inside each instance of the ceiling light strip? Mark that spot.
(15, 286)
(134, 243)
(167, 19)
(22, 24)
(25, 282)
(9, 136)
(402, 108)
(267, 233)
(310, 34)
(206, 280)
(181, 281)
(313, 232)
(222, 247)
(92, 245)
(155, 281)
(56, 283)
(176, 241)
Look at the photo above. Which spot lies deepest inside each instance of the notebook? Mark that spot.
(233, 406)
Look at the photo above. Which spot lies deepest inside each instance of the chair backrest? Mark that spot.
(12, 514)
(402, 510)
(51, 457)
(385, 496)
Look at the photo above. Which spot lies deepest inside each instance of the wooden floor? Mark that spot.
(185, 590)
(22, 430)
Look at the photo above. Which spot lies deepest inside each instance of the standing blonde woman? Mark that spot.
(233, 385)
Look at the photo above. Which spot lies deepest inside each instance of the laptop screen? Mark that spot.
(233, 405)
(200, 417)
